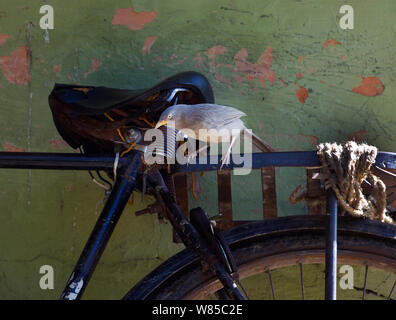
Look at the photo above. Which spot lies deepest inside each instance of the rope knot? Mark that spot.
(344, 168)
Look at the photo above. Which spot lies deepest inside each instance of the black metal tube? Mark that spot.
(191, 238)
(75, 161)
(103, 229)
(331, 248)
(277, 159)
(57, 161)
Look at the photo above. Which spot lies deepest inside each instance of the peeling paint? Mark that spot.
(212, 52)
(257, 210)
(95, 65)
(314, 141)
(148, 44)
(370, 86)
(301, 94)
(57, 143)
(260, 70)
(11, 148)
(132, 19)
(3, 38)
(300, 59)
(200, 61)
(57, 69)
(357, 136)
(331, 42)
(15, 67)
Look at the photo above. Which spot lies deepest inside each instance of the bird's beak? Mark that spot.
(161, 123)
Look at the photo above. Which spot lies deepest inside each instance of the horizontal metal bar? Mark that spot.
(277, 159)
(75, 161)
(57, 161)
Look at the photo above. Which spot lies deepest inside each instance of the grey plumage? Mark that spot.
(207, 117)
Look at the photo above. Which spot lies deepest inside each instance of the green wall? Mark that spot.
(300, 78)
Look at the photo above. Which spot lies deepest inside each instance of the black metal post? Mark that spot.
(56, 161)
(331, 248)
(191, 238)
(103, 229)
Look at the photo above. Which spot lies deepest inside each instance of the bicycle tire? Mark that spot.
(268, 244)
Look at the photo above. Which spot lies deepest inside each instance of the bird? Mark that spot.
(209, 116)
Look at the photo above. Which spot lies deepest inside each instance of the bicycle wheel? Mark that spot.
(266, 246)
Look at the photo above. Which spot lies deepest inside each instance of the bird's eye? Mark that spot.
(169, 116)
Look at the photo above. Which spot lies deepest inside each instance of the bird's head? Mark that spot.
(169, 117)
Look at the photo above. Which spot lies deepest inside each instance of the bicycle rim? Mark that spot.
(268, 245)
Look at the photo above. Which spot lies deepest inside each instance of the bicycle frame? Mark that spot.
(127, 171)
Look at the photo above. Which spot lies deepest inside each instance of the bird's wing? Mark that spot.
(218, 115)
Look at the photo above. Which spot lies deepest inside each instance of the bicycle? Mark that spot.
(96, 119)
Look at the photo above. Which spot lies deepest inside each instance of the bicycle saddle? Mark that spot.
(97, 100)
(92, 117)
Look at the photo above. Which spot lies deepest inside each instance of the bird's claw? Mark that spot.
(225, 160)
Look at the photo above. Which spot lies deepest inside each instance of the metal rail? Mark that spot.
(75, 161)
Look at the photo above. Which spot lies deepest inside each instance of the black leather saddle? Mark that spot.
(92, 116)
(98, 100)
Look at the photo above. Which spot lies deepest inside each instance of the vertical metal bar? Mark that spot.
(181, 193)
(268, 185)
(331, 248)
(103, 229)
(314, 190)
(224, 196)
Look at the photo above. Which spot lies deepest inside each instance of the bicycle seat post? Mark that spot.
(100, 235)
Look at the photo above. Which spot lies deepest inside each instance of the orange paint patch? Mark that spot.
(331, 42)
(95, 65)
(200, 61)
(260, 70)
(15, 67)
(57, 69)
(147, 44)
(370, 86)
(257, 211)
(57, 143)
(357, 136)
(302, 94)
(11, 148)
(314, 141)
(132, 19)
(299, 75)
(222, 79)
(212, 52)
(300, 59)
(310, 70)
(3, 38)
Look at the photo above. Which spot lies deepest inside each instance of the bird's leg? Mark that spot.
(226, 158)
(196, 153)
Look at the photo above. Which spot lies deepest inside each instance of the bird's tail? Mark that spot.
(259, 143)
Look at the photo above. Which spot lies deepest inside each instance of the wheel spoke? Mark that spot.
(272, 285)
(390, 293)
(302, 282)
(365, 283)
(243, 289)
